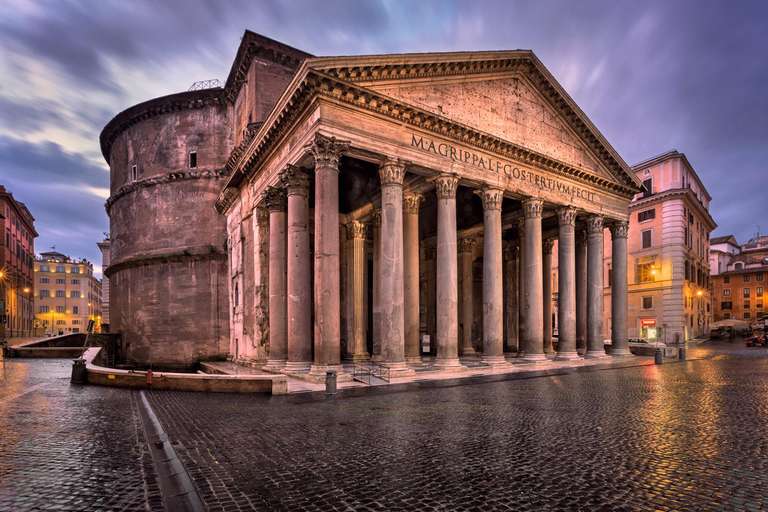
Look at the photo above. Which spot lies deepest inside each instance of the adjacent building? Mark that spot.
(67, 295)
(104, 248)
(17, 250)
(738, 285)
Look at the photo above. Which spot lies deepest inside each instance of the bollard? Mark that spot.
(682, 353)
(79, 373)
(149, 377)
(659, 356)
(330, 382)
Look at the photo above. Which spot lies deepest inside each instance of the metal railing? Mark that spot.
(205, 84)
(366, 372)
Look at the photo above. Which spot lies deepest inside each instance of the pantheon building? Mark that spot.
(396, 208)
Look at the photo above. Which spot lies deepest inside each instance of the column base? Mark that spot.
(297, 367)
(361, 358)
(376, 358)
(414, 361)
(275, 364)
(449, 365)
(398, 370)
(621, 352)
(596, 354)
(520, 353)
(468, 351)
(318, 370)
(493, 361)
(568, 356)
(535, 358)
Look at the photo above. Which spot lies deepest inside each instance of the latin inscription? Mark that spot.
(500, 167)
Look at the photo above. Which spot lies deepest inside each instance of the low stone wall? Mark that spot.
(47, 352)
(102, 376)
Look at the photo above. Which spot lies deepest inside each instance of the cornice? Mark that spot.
(159, 180)
(660, 197)
(163, 259)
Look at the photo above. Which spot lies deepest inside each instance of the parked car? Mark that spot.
(756, 327)
(639, 340)
(755, 341)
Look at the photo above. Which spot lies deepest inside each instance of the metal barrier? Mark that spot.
(365, 373)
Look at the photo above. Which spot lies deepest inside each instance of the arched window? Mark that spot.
(738, 266)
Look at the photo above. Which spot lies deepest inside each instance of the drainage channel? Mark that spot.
(176, 487)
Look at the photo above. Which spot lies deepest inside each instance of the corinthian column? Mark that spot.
(566, 295)
(376, 306)
(392, 293)
(466, 246)
(356, 232)
(595, 344)
(327, 152)
(521, 291)
(299, 271)
(534, 286)
(446, 267)
(546, 250)
(274, 199)
(619, 340)
(493, 285)
(581, 292)
(411, 205)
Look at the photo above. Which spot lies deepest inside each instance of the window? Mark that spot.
(646, 238)
(61, 322)
(44, 309)
(747, 305)
(134, 173)
(690, 218)
(646, 215)
(727, 280)
(74, 294)
(45, 293)
(74, 270)
(738, 267)
(75, 281)
(647, 302)
(759, 277)
(646, 273)
(193, 159)
(759, 291)
(747, 278)
(759, 304)
(760, 314)
(75, 322)
(648, 186)
(59, 309)
(45, 268)
(60, 293)
(726, 305)
(60, 280)
(746, 316)
(43, 280)
(75, 330)
(726, 293)
(75, 310)
(610, 275)
(746, 292)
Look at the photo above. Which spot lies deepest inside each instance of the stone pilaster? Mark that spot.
(521, 322)
(431, 297)
(566, 290)
(493, 288)
(376, 292)
(411, 204)
(261, 281)
(466, 302)
(446, 272)
(595, 279)
(299, 267)
(391, 286)
(356, 233)
(534, 286)
(326, 152)
(510, 299)
(619, 291)
(274, 200)
(546, 262)
(581, 292)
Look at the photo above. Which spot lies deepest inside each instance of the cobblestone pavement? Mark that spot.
(66, 447)
(682, 436)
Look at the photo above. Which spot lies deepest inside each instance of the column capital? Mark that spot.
(595, 224)
(533, 208)
(327, 151)
(376, 218)
(466, 244)
(392, 171)
(412, 202)
(491, 197)
(262, 215)
(274, 199)
(620, 229)
(445, 185)
(521, 227)
(581, 238)
(547, 245)
(356, 229)
(296, 181)
(567, 215)
(429, 252)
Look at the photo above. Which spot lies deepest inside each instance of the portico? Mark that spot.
(431, 217)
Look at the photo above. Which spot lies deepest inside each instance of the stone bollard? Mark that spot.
(330, 382)
(682, 354)
(659, 356)
(79, 372)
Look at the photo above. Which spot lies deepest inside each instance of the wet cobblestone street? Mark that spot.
(682, 436)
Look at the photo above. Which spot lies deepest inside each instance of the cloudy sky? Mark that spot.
(652, 76)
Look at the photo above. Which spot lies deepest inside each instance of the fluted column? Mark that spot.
(566, 289)
(376, 306)
(299, 306)
(466, 304)
(392, 293)
(521, 291)
(274, 199)
(546, 263)
(493, 286)
(356, 232)
(411, 204)
(595, 343)
(534, 286)
(619, 291)
(581, 292)
(327, 152)
(447, 279)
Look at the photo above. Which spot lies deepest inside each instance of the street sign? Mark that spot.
(651, 333)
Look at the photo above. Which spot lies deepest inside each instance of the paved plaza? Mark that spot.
(682, 436)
